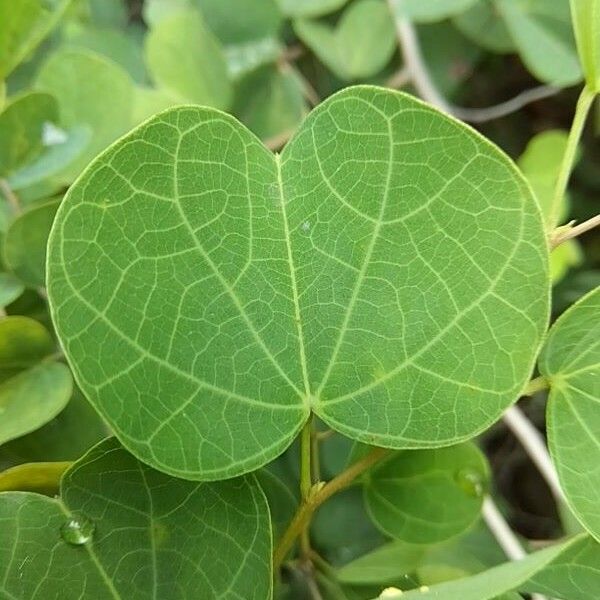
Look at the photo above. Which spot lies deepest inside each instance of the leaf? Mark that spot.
(244, 59)
(586, 23)
(282, 504)
(235, 291)
(41, 477)
(483, 24)
(23, 343)
(117, 534)
(563, 258)
(433, 10)
(79, 79)
(184, 57)
(270, 102)
(309, 8)
(543, 36)
(570, 361)
(32, 398)
(22, 127)
(24, 25)
(10, 288)
(495, 581)
(25, 243)
(427, 496)
(360, 45)
(149, 101)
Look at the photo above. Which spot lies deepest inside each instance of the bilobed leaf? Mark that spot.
(483, 24)
(25, 243)
(360, 45)
(427, 496)
(496, 581)
(122, 530)
(586, 23)
(32, 398)
(309, 8)
(10, 288)
(185, 58)
(388, 272)
(570, 360)
(543, 37)
(22, 125)
(430, 10)
(24, 25)
(81, 80)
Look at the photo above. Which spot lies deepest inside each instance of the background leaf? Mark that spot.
(586, 23)
(122, 530)
(309, 8)
(433, 10)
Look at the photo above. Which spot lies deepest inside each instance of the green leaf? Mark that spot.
(41, 477)
(570, 361)
(155, 11)
(149, 101)
(586, 23)
(25, 243)
(122, 530)
(270, 102)
(235, 291)
(185, 58)
(22, 126)
(543, 36)
(309, 8)
(432, 10)
(483, 24)
(427, 496)
(32, 398)
(384, 565)
(23, 343)
(79, 79)
(10, 288)
(282, 504)
(360, 45)
(24, 25)
(495, 581)
(563, 258)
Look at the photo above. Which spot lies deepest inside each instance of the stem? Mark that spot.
(305, 459)
(317, 496)
(581, 111)
(573, 232)
(535, 385)
(10, 196)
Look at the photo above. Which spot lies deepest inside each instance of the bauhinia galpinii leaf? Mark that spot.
(122, 530)
(387, 272)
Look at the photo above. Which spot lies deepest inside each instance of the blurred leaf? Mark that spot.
(360, 45)
(427, 496)
(82, 81)
(426, 11)
(565, 257)
(149, 101)
(155, 11)
(22, 129)
(246, 57)
(570, 360)
(270, 102)
(483, 24)
(543, 36)
(66, 437)
(309, 8)
(23, 343)
(114, 44)
(108, 13)
(10, 288)
(41, 477)
(25, 243)
(25, 23)
(186, 59)
(573, 287)
(32, 398)
(384, 565)
(282, 503)
(586, 23)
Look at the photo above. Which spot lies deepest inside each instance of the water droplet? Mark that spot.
(471, 481)
(78, 530)
(306, 226)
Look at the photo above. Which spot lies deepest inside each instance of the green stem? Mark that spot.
(317, 496)
(581, 111)
(535, 385)
(305, 459)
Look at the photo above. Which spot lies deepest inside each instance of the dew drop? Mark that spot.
(78, 530)
(471, 481)
(306, 226)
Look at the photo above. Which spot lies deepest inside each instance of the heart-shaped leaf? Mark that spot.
(388, 271)
(570, 360)
(122, 530)
(428, 496)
